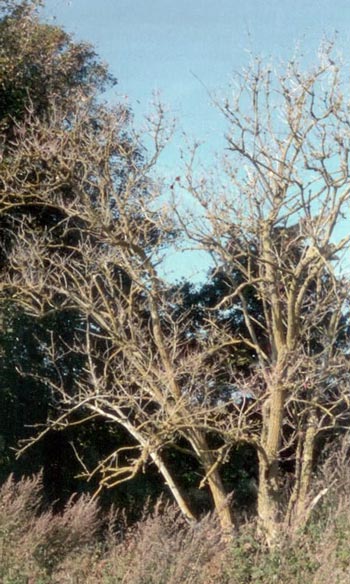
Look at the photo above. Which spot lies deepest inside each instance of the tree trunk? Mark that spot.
(269, 494)
(298, 509)
(213, 478)
(269, 501)
(175, 491)
(221, 502)
(306, 465)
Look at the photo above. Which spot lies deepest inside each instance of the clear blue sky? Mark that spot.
(166, 45)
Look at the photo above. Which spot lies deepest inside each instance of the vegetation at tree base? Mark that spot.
(231, 392)
(83, 545)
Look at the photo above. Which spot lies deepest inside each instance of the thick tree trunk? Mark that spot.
(269, 501)
(214, 481)
(306, 469)
(221, 502)
(269, 494)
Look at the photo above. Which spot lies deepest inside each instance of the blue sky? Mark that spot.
(179, 47)
(167, 45)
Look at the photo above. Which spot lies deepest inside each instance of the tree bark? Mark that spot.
(215, 484)
(175, 491)
(269, 494)
(298, 513)
(268, 501)
(221, 503)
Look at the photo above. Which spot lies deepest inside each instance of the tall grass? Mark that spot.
(35, 545)
(80, 545)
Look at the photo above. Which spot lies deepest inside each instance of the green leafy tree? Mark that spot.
(40, 65)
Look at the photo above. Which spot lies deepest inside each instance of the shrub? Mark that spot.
(82, 546)
(34, 542)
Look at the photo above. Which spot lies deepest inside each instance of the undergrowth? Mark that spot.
(81, 545)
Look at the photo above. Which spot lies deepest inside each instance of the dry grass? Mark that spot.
(78, 546)
(34, 544)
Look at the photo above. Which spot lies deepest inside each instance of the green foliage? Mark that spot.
(249, 561)
(44, 78)
(40, 66)
(24, 400)
(49, 93)
(66, 160)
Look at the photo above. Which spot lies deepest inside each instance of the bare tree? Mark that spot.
(81, 230)
(99, 256)
(85, 230)
(278, 227)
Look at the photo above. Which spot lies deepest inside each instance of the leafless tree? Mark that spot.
(278, 226)
(98, 255)
(86, 230)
